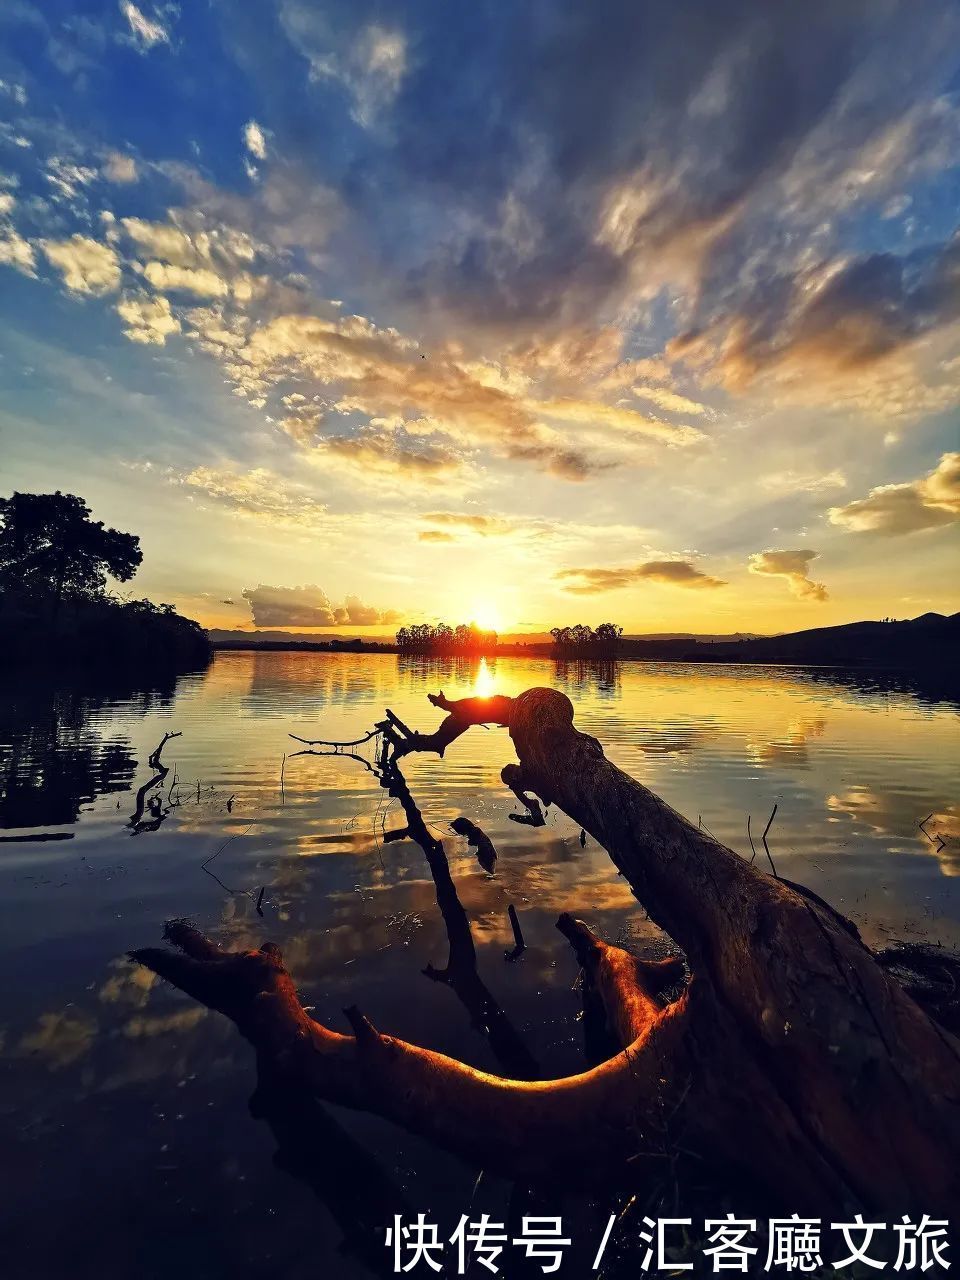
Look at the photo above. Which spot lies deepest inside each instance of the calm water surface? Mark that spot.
(127, 1146)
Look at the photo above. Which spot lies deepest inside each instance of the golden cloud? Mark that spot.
(86, 265)
(793, 566)
(149, 320)
(928, 503)
(678, 573)
(310, 606)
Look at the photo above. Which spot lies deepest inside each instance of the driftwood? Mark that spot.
(790, 1057)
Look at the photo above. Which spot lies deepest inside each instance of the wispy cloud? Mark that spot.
(258, 494)
(144, 32)
(370, 64)
(484, 526)
(15, 250)
(671, 401)
(120, 168)
(803, 481)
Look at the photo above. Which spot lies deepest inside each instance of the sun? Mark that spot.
(487, 616)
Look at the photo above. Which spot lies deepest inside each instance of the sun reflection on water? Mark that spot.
(483, 684)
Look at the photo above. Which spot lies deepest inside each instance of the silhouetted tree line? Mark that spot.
(465, 638)
(584, 642)
(54, 604)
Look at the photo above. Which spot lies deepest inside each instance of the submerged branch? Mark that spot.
(582, 1127)
(791, 1054)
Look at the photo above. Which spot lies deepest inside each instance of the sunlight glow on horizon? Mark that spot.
(487, 617)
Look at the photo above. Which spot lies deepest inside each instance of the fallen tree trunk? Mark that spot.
(790, 1056)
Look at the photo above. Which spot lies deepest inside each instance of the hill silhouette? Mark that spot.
(930, 640)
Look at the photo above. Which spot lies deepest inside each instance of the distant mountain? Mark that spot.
(930, 640)
(693, 635)
(222, 636)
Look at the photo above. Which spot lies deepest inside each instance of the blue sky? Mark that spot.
(533, 314)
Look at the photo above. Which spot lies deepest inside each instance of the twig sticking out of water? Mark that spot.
(764, 839)
(326, 742)
(520, 946)
(220, 849)
(766, 846)
(703, 827)
(137, 822)
(938, 839)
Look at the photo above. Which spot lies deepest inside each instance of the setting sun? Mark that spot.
(487, 617)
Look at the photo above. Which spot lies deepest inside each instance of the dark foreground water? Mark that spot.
(126, 1145)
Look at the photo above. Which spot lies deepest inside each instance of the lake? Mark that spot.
(128, 1146)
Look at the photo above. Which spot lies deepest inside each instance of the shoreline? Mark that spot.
(542, 653)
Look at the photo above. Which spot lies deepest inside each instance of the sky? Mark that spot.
(529, 314)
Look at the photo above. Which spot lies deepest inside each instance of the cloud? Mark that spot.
(381, 455)
(794, 567)
(470, 522)
(198, 280)
(144, 32)
(286, 210)
(928, 503)
(678, 573)
(383, 376)
(566, 463)
(670, 400)
(803, 482)
(149, 320)
(258, 494)
(310, 606)
(15, 250)
(193, 244)
(569, 409)
(370, 63)
(15, 91)
(255, 140)
(87, 266)
(557, 195)
(66, 177)
(839, 317)
(120, 168)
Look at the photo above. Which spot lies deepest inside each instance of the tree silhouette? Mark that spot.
(51, 550)
(443, 639)
(582, 641)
